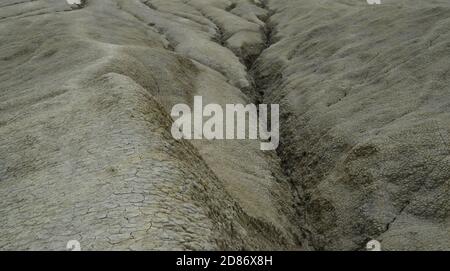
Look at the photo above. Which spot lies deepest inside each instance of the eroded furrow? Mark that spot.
(247, 50)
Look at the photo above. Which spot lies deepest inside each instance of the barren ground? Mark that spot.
(86, 151)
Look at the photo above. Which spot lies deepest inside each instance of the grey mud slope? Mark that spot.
(86, 151)
(365, 95)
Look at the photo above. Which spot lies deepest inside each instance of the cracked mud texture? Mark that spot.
(365, 95)
(86, 151)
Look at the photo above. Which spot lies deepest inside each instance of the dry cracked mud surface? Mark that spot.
(86, 151)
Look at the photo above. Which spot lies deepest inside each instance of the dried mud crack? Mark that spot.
(87, 154)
